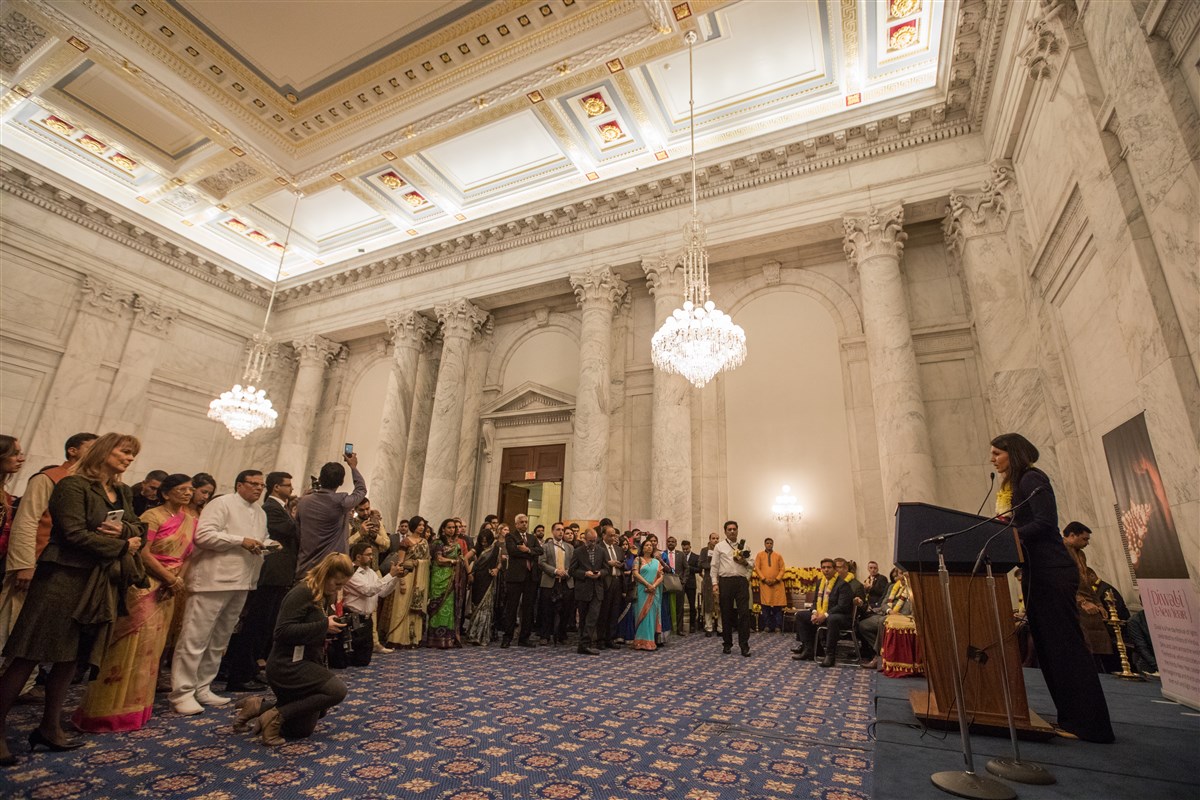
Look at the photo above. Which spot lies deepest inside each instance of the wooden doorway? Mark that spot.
(532, 472)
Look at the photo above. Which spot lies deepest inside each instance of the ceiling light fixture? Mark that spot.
(698, 340)
(244, 409)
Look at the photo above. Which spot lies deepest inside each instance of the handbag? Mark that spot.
(672, 584)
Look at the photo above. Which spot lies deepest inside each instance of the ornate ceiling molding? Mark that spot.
(143, 236)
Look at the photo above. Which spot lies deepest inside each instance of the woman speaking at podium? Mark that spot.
(1049, 580)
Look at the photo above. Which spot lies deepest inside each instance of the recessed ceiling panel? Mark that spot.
(332, 212)
(756, 50)
(511, 150)
(304, 47)
(109, 98)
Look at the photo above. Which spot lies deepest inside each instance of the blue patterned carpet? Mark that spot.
(482, 724)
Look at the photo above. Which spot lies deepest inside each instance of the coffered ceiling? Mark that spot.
(403, 122)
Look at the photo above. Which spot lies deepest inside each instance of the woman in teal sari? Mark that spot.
(445, 580)
(648, 576)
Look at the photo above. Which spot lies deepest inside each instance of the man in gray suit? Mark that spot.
(555, 595)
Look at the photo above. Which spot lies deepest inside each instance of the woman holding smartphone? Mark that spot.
(93, 529)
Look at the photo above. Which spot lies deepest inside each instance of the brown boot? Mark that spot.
(272, 721)
(248, 708)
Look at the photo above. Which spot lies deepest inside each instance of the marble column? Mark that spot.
(279, 373)
(977, 238)
(460, 321)
(468, 442)
(73, 402)
(599, 292)
(313, 354)
(671, 415)
(329, 428)
(873, 244)
(418, 429)
(408, 332)
(125, 409)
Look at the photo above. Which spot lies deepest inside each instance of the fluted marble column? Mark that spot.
(874, 243)
(460, 320)
(599, 292)
(468, 442)
(313, 353)
(409, 332)
(329, 428)
(418, 428)
(671, 417)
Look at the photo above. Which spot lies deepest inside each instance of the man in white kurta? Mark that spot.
(220, 573)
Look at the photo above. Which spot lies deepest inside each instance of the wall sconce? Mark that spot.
(786, 510)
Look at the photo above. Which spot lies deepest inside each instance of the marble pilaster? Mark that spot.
(409, 331)
(279, 373)
(599, 292)
(329, 428)
(874, 243)
(73, 402)
(460, 321)
(671, 414)
(313, 354)
(125, 408)
(469, 439)
(418, 430)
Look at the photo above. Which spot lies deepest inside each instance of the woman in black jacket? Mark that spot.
(77, 590)
(304, 688)
(1049, 578)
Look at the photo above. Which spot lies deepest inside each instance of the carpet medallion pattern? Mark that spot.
(484, 724)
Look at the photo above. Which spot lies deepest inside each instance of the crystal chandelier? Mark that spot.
(786, 510)
(698, 340)
(244, 409)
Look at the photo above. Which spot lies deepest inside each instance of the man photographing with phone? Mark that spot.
(322, 518)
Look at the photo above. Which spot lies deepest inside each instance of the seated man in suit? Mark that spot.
(834, 608)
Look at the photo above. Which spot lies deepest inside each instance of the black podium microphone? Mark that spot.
(991, 484)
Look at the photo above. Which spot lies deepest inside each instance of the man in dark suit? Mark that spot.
(834, 609)
(613, 557)
(521, 581)
(588, 569)
(687, 565)
(252, 640)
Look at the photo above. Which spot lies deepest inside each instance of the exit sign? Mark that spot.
(531, 476)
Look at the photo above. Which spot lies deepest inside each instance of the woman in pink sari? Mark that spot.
(121, 697)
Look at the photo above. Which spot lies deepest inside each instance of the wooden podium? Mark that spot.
(974, 621)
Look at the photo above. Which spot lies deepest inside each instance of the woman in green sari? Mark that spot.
(446, 573)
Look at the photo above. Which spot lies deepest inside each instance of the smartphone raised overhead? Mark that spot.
(349, 449)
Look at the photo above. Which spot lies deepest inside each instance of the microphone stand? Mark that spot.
(1013, 769)
(966, 783)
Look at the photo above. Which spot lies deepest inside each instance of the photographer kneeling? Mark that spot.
(305, 689)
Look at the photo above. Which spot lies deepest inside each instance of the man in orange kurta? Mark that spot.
(772, 593)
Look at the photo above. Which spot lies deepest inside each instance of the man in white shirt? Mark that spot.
(731, 586)
(362, 592)
(223, 569)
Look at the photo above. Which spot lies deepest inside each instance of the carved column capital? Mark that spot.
(880, 232)
(664, 276)
(153, 317)
(982, 212)
(1053, 30)
(598, 286)
(461, 318)
(100, 295)
(316, 350)
(409, 329)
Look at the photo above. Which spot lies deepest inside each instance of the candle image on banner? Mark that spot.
(1148, 529)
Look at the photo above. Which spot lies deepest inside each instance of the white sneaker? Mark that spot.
(211, 699)
(187, 706)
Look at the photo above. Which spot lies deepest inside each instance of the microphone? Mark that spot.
(991, 484)
(994, 518)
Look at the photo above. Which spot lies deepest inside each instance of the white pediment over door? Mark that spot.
(529, 404)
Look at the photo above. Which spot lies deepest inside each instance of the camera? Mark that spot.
(741, 549)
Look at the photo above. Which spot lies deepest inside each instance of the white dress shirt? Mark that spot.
(220, 563)
(723, 565)
(362, 592)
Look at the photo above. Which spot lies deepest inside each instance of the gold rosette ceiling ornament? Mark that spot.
(698, 340)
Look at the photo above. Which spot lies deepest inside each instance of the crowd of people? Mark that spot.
(267, 587)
